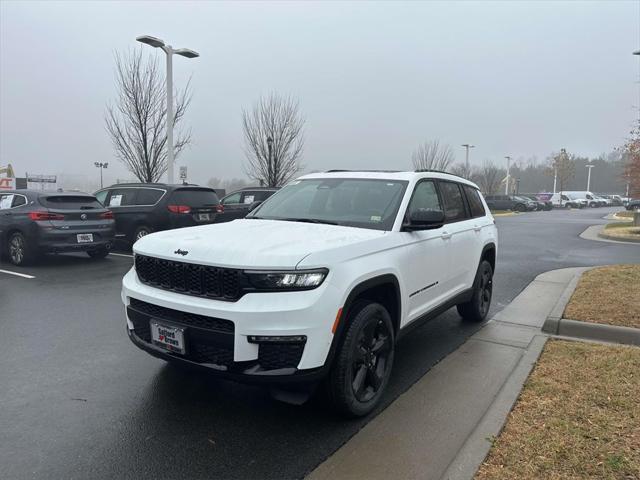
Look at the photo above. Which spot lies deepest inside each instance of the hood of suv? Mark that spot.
(251, 243)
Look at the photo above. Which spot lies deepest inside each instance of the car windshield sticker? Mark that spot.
(115, 200)
(249, 198)
(376, 218)
(5, 202)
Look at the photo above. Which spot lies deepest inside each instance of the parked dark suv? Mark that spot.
(509, 202)
(237, 204)
(33, 222)
(142, 208)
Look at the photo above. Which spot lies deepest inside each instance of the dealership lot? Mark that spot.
(80, 401)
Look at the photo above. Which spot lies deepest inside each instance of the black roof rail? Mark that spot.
(429, 170)
(365, 171)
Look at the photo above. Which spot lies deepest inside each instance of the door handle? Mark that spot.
(477, 228)
(445, 235)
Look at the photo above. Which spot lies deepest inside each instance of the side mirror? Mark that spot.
(424, 220)
(254, 205)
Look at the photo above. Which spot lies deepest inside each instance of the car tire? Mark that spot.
(19, 250)
(98, 253)
(362, 365)
(476, 309)
(141, 231)
(520, 208)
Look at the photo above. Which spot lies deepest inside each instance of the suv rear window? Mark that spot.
(71, 202)
(194, 197)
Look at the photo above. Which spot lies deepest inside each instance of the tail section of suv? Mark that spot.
(142, 208)
(34, 222)
(239, 203)
(318, 283)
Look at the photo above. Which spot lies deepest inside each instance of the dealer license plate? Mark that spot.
(85, 237)
(169, 338)
(203, 217)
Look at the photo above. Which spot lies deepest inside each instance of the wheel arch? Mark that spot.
(384, 289)
(489, 254)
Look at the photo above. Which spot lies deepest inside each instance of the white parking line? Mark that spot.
(23, 275)
(121, 255)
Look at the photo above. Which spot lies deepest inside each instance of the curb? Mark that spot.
(618, 239)
(598, 331)
(552, 323)
(475, 449)
(555, 324)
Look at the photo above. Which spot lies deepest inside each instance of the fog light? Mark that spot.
(277, 338)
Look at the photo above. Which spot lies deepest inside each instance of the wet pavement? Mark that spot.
(78, 400)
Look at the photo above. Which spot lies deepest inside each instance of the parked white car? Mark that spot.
(566, 200)
(318, 282)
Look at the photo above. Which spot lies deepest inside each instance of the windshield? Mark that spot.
(365, 203)
(195, 197)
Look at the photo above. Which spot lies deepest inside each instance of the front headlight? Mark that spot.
(286, 280)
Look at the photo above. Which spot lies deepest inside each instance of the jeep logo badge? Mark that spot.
(181, 252)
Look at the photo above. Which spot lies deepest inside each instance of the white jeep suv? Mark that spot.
(316, 283)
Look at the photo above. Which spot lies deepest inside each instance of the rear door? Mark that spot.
(459, 231)
(122, 202)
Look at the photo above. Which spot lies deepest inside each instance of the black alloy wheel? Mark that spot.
(362, 365)
(19, 251)
(477, 309)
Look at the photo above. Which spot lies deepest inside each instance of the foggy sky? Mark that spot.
(373, 79)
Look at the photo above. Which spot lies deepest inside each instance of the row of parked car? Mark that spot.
(37, 222)
(547, 201)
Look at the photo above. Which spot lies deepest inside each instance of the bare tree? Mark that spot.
(136, 122)
(430, 155)
(461, 170)
(562, 166)
(488, 177)
(274, 139)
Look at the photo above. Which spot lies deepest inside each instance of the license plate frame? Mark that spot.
(168, 337)
(84, 238)
(204, 217)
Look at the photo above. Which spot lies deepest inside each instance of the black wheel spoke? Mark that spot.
(359, 380)
(381, 344)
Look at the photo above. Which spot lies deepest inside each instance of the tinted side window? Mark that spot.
(453, 202)
(121, 197)
(425, 198)
(101, 196)
(475, 203)
(233, 198)
(148, 196)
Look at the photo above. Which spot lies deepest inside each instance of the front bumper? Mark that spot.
(217, 332)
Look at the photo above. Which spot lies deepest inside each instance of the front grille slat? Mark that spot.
(191, 319)
(191, 279)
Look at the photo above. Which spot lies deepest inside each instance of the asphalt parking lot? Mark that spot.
(80, 401)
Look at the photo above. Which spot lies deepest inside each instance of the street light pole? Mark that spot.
(467, 146)
(589, 176)
(169, 82)
(269, 167)
(506, 187)
(170, 51)
(101, 166)
(637, 52)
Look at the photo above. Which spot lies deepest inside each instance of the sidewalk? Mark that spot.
(443, 425)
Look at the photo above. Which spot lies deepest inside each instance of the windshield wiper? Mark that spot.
(308, 220)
